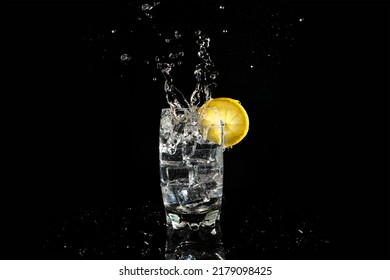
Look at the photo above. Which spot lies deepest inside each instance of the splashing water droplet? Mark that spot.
(224, 31)
(221, 7)
(301, 19)
(203, 74)
(113, 31)
(177, 35)
(146, 7)
(125, 57)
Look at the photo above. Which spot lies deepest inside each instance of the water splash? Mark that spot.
(204, 76)
(146, 8)
(203, 72)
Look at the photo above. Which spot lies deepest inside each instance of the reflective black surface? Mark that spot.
(138, 231)
(80, 174)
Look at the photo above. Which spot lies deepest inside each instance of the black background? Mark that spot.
(80, 127)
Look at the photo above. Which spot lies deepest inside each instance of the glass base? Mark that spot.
(192, 221)
(203, 244)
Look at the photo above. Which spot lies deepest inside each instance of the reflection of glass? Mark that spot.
(203, 244)
(191, 170)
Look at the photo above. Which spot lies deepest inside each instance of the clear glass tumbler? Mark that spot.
(191, 170)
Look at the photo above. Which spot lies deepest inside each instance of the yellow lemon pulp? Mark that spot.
(224, 121)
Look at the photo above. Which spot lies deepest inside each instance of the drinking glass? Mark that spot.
(191, 169)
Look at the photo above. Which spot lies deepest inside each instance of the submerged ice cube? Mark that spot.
(207, 173)
(192, 196)
(189, 150)
(205, 152)
(169, 195)
(179, 174)
(177, 156)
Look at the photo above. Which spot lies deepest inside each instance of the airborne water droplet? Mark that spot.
(125, 57)
(177, 34)
(203, 72)
(146, 7)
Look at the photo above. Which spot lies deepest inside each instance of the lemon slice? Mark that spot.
(234, 118)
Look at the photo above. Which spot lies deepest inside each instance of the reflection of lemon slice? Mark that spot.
(233, 116)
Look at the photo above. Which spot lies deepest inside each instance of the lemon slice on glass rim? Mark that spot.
(224, 121)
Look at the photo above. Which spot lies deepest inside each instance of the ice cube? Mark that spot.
(172, 157)
(189, 150)
(169, 196)
(207, 173)
(192, 196)
(205, 152)
(177, 174)
(214, 189)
